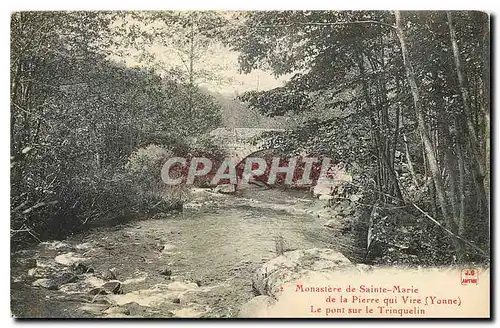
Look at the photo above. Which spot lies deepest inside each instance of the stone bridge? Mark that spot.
(239, 142)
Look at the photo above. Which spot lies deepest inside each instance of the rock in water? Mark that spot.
(225, 189)
(64, 278)
(98, 290)
(112, 287)
(80, 268)
(108, 275)
(44, 283)
(54, 282)
(166, 272)
(68, 259)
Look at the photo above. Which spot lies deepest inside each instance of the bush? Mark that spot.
(53, 201)
(148, 191)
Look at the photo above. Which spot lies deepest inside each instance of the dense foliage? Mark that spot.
(403, 96)
(79, 122)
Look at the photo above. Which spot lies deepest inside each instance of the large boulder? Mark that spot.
(277, 280)
(293, 265)
(257, 307)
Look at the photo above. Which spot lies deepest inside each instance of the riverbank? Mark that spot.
(197, 262)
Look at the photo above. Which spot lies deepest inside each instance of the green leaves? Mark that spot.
(77, 116)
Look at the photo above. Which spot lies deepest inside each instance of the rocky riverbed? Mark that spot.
(195, 263)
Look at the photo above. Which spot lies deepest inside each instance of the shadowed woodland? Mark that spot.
(400, 98)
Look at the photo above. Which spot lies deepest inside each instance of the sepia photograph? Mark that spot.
(250, 164)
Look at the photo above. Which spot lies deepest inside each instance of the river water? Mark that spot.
(217, 242)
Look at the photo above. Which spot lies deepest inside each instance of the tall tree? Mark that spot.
(396, 80)
(424, 133)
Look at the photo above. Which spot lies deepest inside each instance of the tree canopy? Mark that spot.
(375, 85)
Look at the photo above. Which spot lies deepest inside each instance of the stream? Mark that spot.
(194, 263)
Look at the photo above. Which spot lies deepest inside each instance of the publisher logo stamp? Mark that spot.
(469, 277)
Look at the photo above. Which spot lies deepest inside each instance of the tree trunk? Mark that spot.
(485, 105)
(407, 149)
(409, 162)
(429, 151)
(465, 98)
(382, 151)
(461, 180)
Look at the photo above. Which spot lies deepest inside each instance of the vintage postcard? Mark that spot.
(250, 164)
